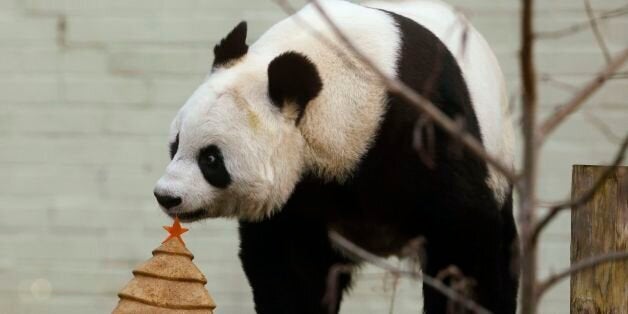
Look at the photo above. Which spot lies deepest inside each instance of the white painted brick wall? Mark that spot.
(84, 111)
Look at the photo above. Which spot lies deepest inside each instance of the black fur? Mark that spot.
(287, 260)
(293, 77)
(212, 165)
(467, 227)
(174, 146)
(392, 198)
(231, 47)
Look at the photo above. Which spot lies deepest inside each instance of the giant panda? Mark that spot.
(294, 137)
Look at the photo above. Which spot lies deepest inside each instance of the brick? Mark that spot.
(249, 5)
(552, 306)
(578, 129)
(177, 61)
(25, 30)
(557, 89)
(137, 8)
(87, 220)
(30, 218)
(172, 92)
(547, 63)
(84, 61)
(67, 304)
(32, 60)
(80, 151)
(14, 204)
(57, 121)
(502, 33)
(553, 256)
(57, 248)
(201, 31)
(153, 122)
(615, 32)
(29, 89)
(5, 118)
(541, 8)
(24, 180)
(123, 181)
(9, 61)
(8, 5)
(52, 60)
(75, 203)
(559, 230)
(107, 90)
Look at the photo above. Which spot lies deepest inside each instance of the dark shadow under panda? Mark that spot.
(270, 138)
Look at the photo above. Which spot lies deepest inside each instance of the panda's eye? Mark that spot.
(174, 146)
(211, 163)
(212, 160)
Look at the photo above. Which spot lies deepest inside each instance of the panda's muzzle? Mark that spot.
(167, 201)
(189, 216)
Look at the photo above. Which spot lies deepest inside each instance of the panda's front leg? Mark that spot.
(287, 259)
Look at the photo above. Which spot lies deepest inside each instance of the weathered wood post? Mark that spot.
(600, 226)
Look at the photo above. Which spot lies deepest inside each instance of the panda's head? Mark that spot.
(235, 146)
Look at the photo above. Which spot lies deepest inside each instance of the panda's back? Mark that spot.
(480, 69)
(343, 121)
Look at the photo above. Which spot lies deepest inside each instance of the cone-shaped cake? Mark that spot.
(167, 283)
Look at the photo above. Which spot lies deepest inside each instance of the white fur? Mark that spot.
(342, 121)
(261, 150)
(266, 153)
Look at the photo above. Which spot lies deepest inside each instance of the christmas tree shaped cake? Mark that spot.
(168, 282)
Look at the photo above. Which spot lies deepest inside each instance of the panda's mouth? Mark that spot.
(189, 216)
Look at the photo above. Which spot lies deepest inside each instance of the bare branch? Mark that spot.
(379, 262)
(411, 96)
(581, 96)
(574, 204)
(548, 78)
(596, 31)
(578, 267)
(527, 208)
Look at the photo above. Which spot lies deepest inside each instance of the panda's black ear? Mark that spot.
(292, 77)
(232, 47)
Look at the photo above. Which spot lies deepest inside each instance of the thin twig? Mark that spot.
(582, 95)
(574, 204)
(379, 262)
(596, 31)
(578, 267)
(330, 299)
(411, 96)
(621, 11)
(548, 78)
(576, 28)
(602, 126)
(393, 297)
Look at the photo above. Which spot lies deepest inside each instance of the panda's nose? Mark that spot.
(167, 201)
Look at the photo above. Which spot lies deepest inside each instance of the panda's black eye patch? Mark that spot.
(211, 163)
(174, 146)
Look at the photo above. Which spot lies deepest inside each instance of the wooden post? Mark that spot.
(597, 227)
